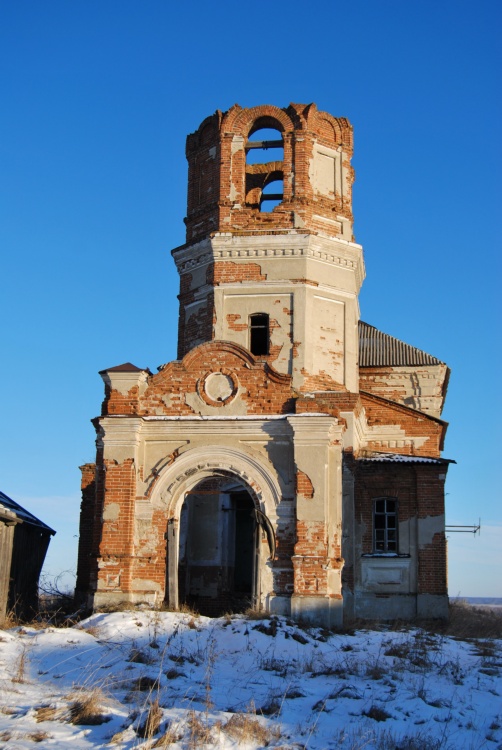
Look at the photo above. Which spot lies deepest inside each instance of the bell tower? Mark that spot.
(270, 261)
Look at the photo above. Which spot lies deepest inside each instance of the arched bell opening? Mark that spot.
(219, 547)
(264, 165)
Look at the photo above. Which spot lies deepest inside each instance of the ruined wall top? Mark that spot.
(267, 169)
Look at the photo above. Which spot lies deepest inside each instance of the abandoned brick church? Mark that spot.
(289, 459)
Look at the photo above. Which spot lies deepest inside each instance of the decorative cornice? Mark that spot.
(317, 430)
(222, 247)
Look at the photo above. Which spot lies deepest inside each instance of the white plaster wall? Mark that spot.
(278, 306)
(296, 266)
(328, 337)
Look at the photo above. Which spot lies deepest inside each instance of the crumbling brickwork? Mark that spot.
(87, 511)
(219, 186)
(289, 459)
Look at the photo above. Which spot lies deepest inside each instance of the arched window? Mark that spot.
(259, 334)
(264, 166)
(385, 525)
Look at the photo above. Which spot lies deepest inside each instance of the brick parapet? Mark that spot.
(261, 389)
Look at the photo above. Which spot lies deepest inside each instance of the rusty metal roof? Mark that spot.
(378, 349)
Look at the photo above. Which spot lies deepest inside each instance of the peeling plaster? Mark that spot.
(236, 407)
(111, 512)
(140, 584)
(428, 527)
(237, 144)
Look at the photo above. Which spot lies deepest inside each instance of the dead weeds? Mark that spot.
(86, 708)
(244, 728)
(150, 727)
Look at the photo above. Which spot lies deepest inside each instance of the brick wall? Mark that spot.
(116, 547)
(304, 486)
(432, 568)
(86, 528)
(419, 490)
(415, 424)
(313, 559)
(262, 389)
(223, 191)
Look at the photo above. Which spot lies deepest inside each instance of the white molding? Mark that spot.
(335, 251)
(196, 464)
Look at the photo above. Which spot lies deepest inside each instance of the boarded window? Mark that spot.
(385, 525)
(259, 334)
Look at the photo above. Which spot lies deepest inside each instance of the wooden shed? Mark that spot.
(24, 541)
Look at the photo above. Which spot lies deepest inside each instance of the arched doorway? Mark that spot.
(219, 547)
(231, 471)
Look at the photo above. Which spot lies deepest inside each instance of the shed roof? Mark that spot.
(370, 457)
(22, 513)
(378, 349)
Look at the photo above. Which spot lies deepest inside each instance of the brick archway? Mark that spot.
(189, 470)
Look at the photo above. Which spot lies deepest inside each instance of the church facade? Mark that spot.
(289, 459)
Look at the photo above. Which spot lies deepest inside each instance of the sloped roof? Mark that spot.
(378, 349)
(126, 367)
(22, 513)
(400, 458)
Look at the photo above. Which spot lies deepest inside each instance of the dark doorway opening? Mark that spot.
(217, 567)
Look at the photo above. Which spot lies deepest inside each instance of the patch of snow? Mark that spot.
(276, 684)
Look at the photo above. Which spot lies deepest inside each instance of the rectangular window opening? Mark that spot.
(385, 525)
(259, 334)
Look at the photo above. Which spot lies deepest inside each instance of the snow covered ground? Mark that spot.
(233, 682)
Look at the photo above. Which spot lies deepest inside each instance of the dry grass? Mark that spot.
(188, 609)
(413, 651)
(54, 609)
(47, 713)
(20, 675)
(200, 733)
(86, 708)
(183, 608)
(244, 728)
(92, 630)
(8, 711)
(464, 622)
(468, 622)
(170, 736)
(384, 739)
(39, 736)
(119, 607)
(150, 727)
(255, 614)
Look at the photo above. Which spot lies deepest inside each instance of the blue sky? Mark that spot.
(97, 100)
